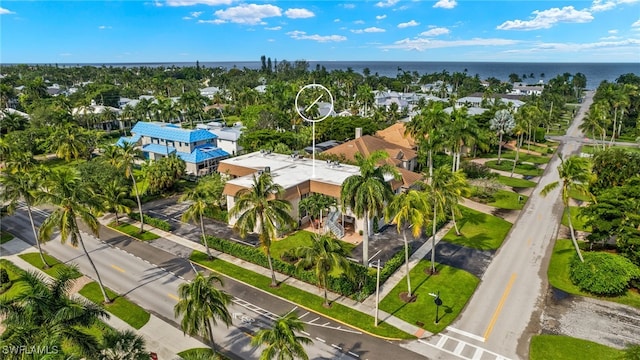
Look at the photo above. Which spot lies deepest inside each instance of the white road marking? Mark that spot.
(353, 354)
(323, 340)
(467, 334)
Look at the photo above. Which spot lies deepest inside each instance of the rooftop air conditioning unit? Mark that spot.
(267, 169)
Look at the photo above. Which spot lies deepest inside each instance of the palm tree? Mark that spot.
(454, 187)
(502, 123)
(463, 131)
(23, 185)
(281, 340)
(116, 199)
(260, 207)
(63, 189)
(408, 210)
(366, 194)
(68, 142)
(204, 197)
(326, 254)
(124, 157)
(438, 202)
(202, 305)
(575, 176)
(425, 128)
(44, 314)
(123, 345)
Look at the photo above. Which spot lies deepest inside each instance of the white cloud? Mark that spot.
(599, 5)
(299, 13)
(613, 37)
(196, 14)
(195, 2)
(436, 31)
(421, 44)
(349, 6)
(104, 27)
(547, 18)
(446, 4)
(380, 17)
(359, 22)
(251, 14)
(301, 35)
(613, 31)
(4, 11)
(336, 20)
(573, 47)
(636, 24)
(369, 30)
(408, 24)
(275, 28)
(216, 21)
(387, 3)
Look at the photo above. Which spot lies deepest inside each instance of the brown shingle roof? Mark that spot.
(367, 144)
(394, 134)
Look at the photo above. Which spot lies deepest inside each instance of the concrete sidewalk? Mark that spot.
(160, 336)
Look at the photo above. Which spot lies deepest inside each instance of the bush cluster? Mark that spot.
(603, 273)
(477, 171)
(359, 287)
(155, 222)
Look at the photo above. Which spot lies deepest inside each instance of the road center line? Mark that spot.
(173, 297)
(118, 268)
(496, 313)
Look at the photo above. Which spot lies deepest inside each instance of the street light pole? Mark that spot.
(438, 302)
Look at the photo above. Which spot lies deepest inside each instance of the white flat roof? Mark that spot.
(288, 172)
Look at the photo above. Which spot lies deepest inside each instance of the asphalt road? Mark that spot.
(150, 277)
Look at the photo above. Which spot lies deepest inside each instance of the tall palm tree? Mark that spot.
(281, 340)
(116, 198)
(202, 305)
(23, 185)
(367, 193)
(63, 189)
(261, 208)
(462, 131)
(124, 157)
(425, 129)
(438, 202)
(68, 142)
(408, 210)
(454, 187)
(203, 197)
(325, 255)
(123, 345)
(575, 176)
(44, 314)
(502, 123)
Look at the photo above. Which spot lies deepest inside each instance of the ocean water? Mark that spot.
(595, 72)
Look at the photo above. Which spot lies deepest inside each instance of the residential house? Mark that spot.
(198, 148)
(227, 136)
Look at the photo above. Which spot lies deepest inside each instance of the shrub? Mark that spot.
(4, 276)
(155, 222)
(603, 273)
(477, 171)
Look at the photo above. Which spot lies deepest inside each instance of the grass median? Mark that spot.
(544, 347)
(310, 301)
(134, 231)
(479, 230)
(516, 182)
(55, 265)
(5, 237)
(522, 169)
(454, 285)
(120, 307)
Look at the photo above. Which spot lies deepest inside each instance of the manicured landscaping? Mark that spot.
(14, 273)
(455, 286)
(558, 274)
(479, 230)
(134, 231)
(311, 301)
(55, 264)
(515, 182)
(201, 353)
(545, 347)
(5, 237)
(120, 307)
(577, 220)
(298, 239)
(522, 169)
(503, 199)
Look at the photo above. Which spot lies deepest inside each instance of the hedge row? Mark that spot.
(155, 222)
(362, 285)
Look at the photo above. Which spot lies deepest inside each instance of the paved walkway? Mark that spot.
(160, 336)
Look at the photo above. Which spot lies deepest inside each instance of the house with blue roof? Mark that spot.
(197, 147)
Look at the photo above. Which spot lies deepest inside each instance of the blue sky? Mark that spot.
(377, 30)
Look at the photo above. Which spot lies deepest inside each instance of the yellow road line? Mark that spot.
(499, 308)
(173, 296)
(118, 268)
(529, 242)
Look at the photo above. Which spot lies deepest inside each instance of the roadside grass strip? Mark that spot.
(522, 169)
(516, 182)
(456, 287)
(202, 353)
(120, 307)
(545, 347)
(5, 237)
(508, 200)
(558, 274)
(478, 230)
(577, 221)
(55, 265)
(134, 231)
(309, 301)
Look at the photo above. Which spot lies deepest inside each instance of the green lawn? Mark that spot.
(55, 264)
(120, 307)
(546, 347)
(523, 169)
(310, 301)
(503, 199)
(479, 230)
(558, 274)
(577, 221)
(524, 157)
(5, 237)
(455, 286)
(14, 273)
(576, 195)
(298, 239)
(516, 182)
(56, 163)
(134, 231)
(203, 353)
